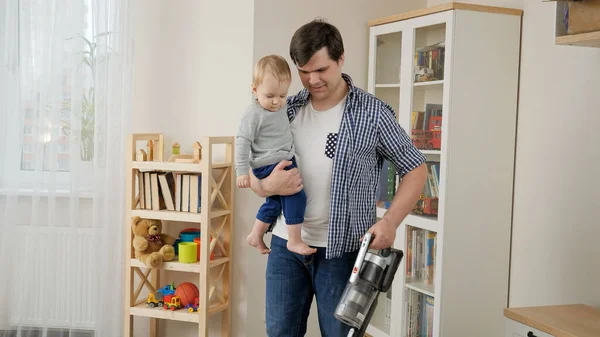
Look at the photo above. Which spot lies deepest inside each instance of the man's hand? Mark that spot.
(279, 182)
(384, 234)
(243, 181)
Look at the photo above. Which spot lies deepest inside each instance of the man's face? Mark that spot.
(321, 75)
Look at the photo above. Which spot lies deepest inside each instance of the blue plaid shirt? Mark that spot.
(368, 134)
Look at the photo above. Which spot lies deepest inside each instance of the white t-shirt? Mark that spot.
(315, 136)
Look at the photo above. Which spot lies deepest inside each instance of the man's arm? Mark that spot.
(396, 146)
(279, 182)
(406, 197)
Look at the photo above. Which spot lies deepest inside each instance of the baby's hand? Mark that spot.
(243, 181)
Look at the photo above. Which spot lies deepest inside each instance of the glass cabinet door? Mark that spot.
(422, 116)
(384, 83)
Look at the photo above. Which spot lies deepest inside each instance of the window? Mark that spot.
(55, 105)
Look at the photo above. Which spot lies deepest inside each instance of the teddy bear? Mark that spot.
(151, 246)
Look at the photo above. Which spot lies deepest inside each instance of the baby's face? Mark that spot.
(271, 93)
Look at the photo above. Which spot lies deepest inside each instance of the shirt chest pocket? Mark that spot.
(330, 145)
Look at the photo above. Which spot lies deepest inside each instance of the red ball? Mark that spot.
(187, 293)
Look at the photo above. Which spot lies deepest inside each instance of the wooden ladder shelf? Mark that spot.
(211, 275)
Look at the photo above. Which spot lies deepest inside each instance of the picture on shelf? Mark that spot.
(429, 63)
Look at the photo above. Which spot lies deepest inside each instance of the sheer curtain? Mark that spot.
(65, 92)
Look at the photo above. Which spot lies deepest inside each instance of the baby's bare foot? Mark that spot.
(300, 248)
(256, 240)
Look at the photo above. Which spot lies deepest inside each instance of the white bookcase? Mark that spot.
(464, 286)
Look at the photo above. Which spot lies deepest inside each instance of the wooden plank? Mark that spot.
(215, 213)
(573, 320)
(177, 315)
(227, 190)
(177, 216)
(443, 8)
(161, 147)
(221, 165)
(591, 39)
(183, 267)
(175, 166)
(146, 136)
(167, 215)
(221, 140)
(129, 200)
(218, 308)
(155, 280)
(206, 206)
(167, 166)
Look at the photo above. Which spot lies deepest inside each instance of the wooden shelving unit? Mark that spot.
(212, 276)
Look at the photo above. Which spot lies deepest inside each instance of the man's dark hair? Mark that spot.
(313, 36)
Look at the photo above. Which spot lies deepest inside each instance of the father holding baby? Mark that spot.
(341, 136)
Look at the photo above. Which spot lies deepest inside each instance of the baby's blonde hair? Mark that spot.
(273, 64)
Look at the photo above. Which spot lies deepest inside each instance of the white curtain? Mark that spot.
(65, 92)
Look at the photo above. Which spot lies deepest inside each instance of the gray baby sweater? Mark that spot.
(264, 138)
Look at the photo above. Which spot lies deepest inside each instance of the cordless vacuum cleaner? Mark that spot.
(372, 273)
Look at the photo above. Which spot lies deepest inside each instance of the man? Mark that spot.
(342, 135)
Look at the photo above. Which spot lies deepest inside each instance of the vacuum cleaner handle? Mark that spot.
(364, 247)
(390, 271)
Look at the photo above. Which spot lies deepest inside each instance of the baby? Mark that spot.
(264, 139)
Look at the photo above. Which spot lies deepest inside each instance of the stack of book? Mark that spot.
(170, 191)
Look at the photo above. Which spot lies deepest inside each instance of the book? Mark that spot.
(167, 187)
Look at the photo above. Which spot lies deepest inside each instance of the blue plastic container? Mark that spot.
(188, 236)
(176, 246)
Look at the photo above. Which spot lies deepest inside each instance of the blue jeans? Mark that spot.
(293, 205)
(293, 280)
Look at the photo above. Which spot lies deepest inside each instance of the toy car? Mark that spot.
(193, 307)
(172, 302)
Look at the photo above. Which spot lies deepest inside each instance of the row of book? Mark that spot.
(432, 185)
(421, 120)
(388, 182)
(159, 190)
(386, 188)
(421, 246)
(429, 62)
(419, 314)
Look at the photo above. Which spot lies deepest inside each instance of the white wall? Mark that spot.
(193, 66)
(555, 227)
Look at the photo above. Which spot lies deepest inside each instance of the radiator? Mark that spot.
(54, 272)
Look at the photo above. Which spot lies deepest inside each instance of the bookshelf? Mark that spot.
(576, 23)
(211, 273)
(451, 74)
